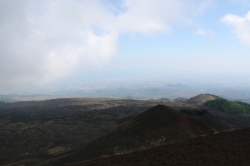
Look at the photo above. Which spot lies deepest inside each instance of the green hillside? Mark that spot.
(229, 106)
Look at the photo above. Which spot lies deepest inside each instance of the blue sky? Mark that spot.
(50, 42)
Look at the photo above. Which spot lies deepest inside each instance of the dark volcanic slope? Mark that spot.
(33, 132)
(208, 119)
(227, 148)
(159, 125)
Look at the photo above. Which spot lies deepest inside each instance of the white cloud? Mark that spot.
(201, 32)
(241, 26)
(41, 41)
(205, 33)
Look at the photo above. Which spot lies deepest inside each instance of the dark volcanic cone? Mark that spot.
(156, 126)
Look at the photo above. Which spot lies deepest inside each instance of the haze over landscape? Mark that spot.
(99, 48)
(124, 82)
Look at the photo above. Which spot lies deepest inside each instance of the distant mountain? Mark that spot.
(163, 100)
(158, 125)
(180, 99)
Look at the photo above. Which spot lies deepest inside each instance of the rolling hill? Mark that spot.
(59, 131)
(232, 107)
(156, 126)
(201, 98)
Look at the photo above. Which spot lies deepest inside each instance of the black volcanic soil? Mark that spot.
(230, 148)
(33, 132)
(156, 126)
(43, 132)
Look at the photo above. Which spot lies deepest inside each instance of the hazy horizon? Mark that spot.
(54, 46)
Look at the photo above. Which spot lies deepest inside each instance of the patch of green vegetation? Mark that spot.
(229, 106)
(23, 125)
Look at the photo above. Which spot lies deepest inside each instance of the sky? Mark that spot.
(76, 41)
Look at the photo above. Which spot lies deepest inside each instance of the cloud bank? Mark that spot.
(241, 26)
(42, 41)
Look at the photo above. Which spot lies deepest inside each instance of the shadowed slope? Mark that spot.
(158, 125)
(207, 118)
(227, 148)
